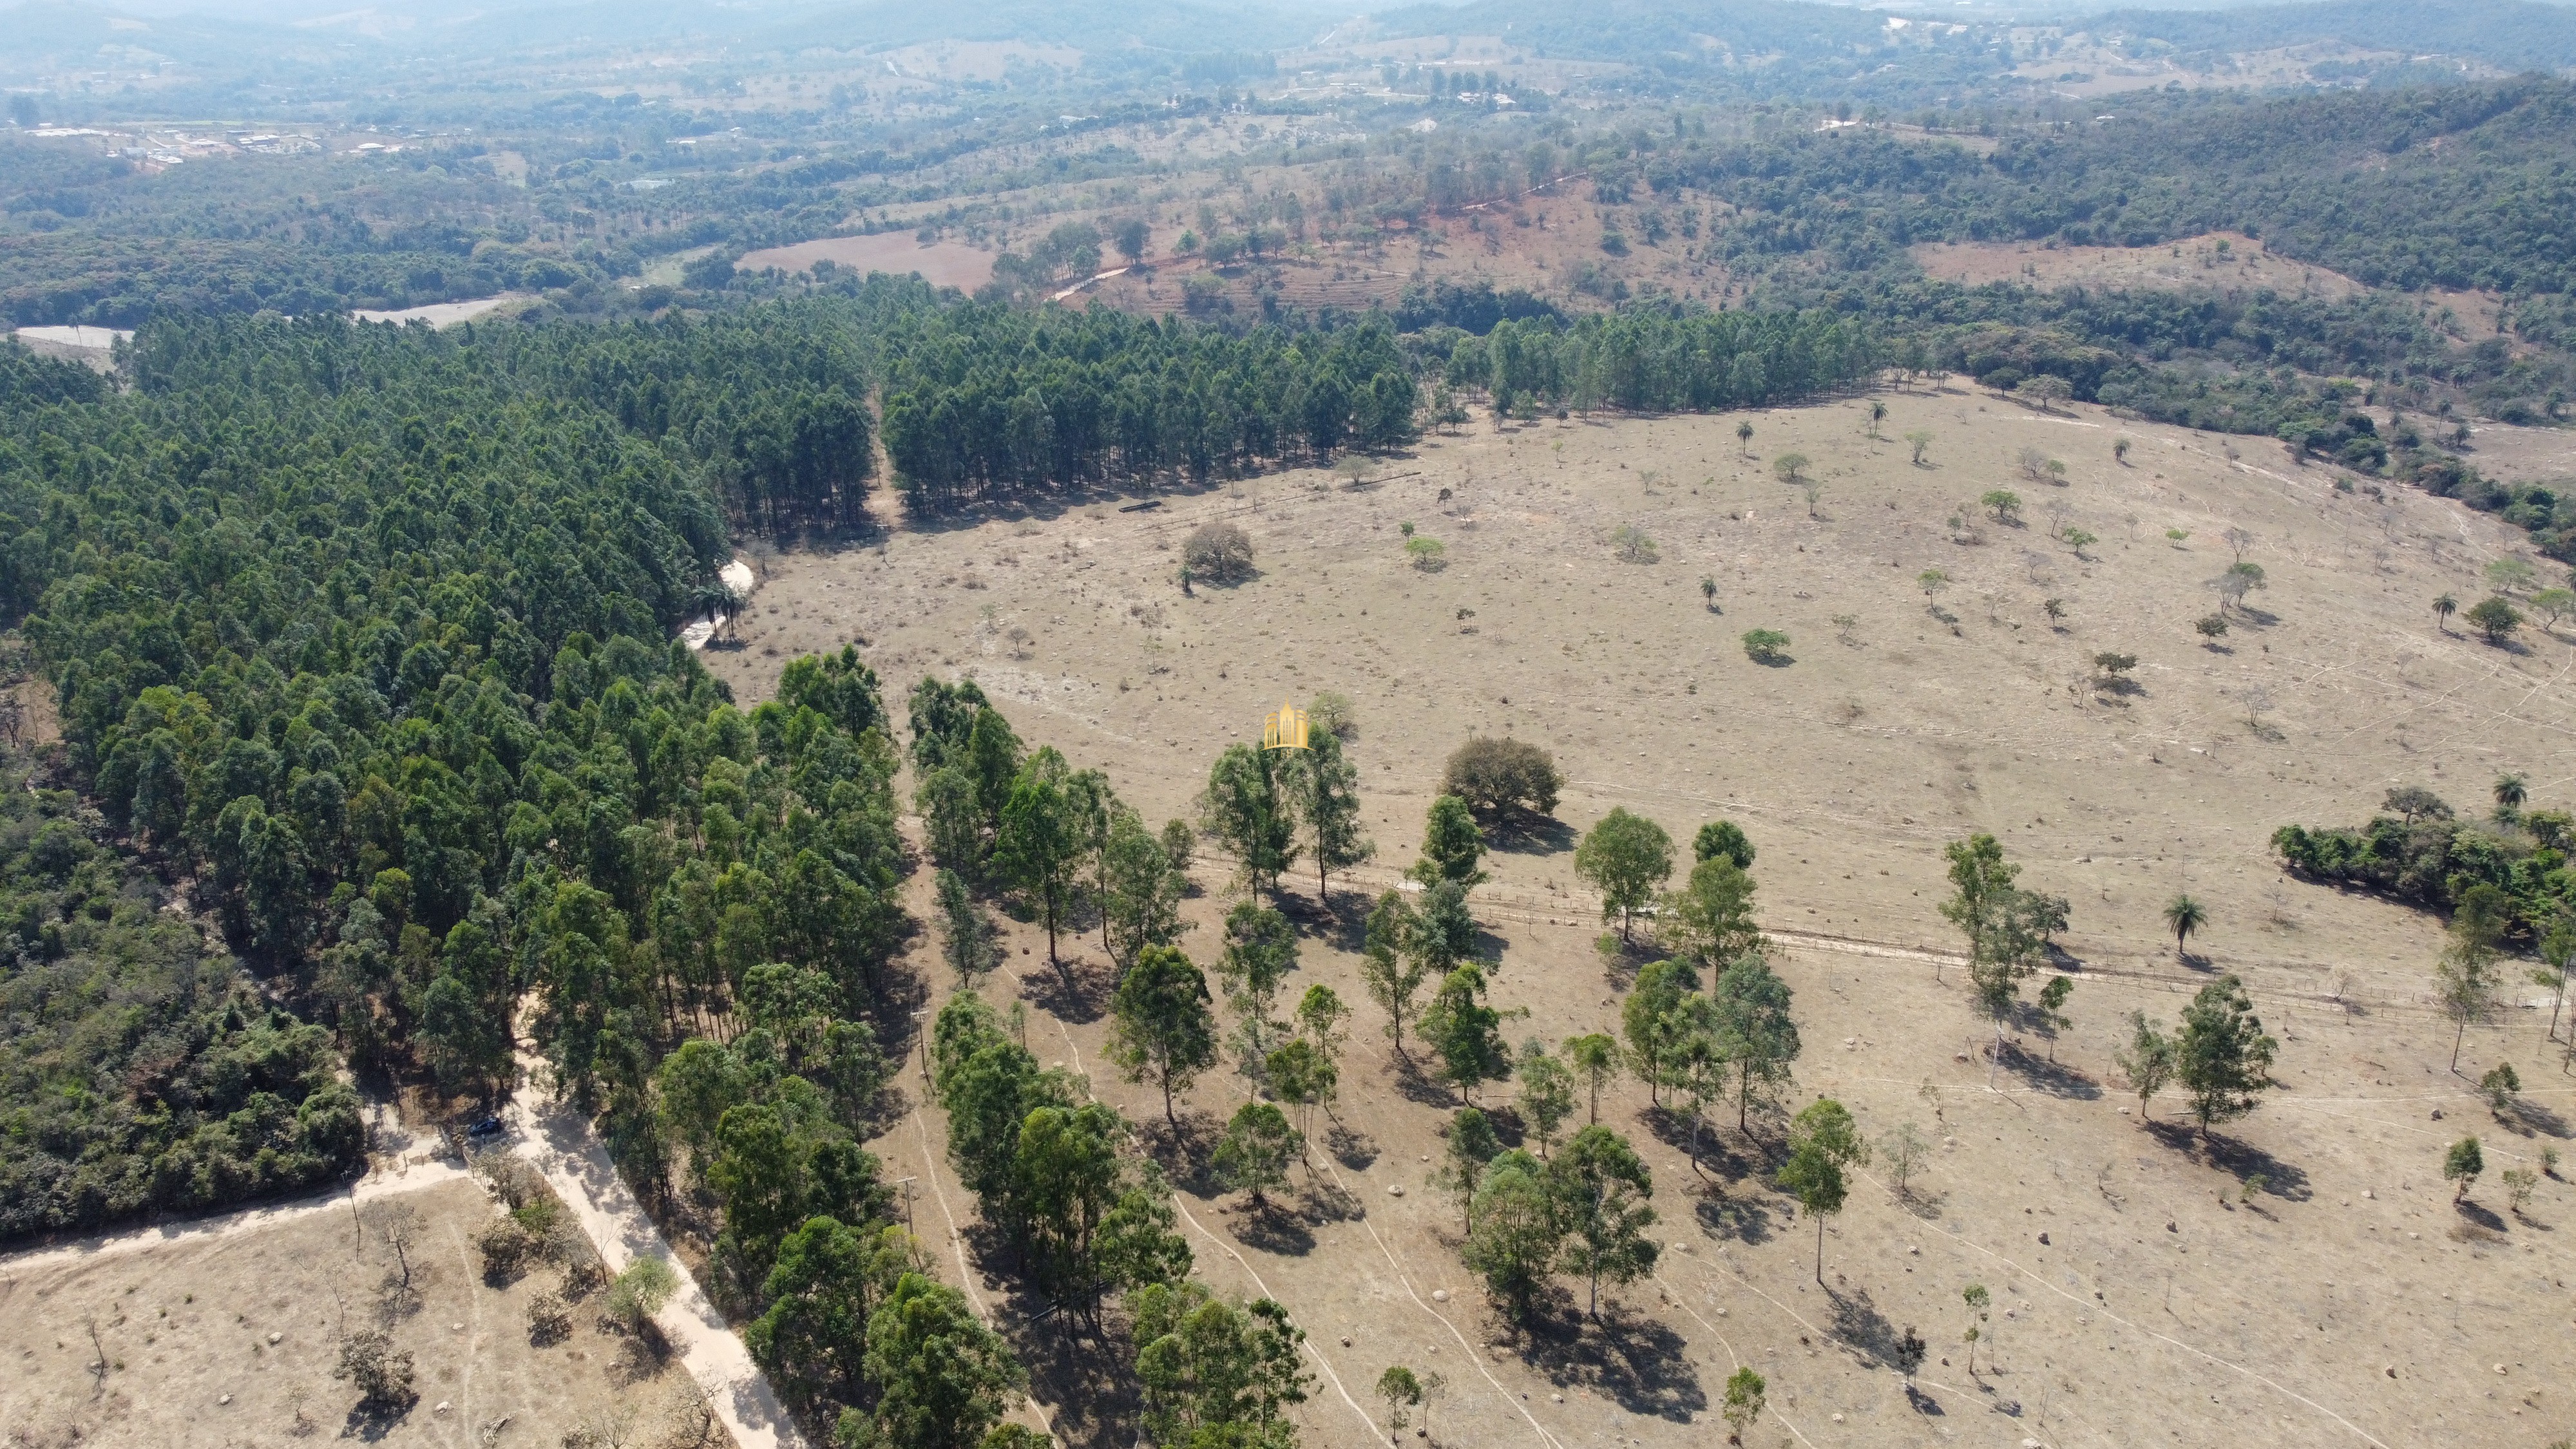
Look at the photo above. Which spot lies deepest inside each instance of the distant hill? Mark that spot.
(2512, 34)
(1634, 30)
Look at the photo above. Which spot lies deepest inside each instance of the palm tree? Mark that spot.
(2443, 608)
(1744, 438)
(2509, 795)
(2185, 915)
(1877, 415)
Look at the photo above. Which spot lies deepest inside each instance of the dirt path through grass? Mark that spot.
(558, 1140)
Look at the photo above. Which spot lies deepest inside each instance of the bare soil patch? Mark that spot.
(2172, 1296)
(942, 264)
(2196, 264)
(444, 314)
(231, 1338)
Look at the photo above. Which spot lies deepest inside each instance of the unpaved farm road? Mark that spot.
(559, 1143)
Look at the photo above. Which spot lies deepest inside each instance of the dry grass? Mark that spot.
(1850, 767)
(231, 1339)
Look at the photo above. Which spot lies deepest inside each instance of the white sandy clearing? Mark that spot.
(737, 575)
(442, 314)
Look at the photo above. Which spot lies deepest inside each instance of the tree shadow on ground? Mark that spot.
(2479, 1214)
(1327, 1201)
(1078, 994)
(2530, 1118)
(1621, 963)
(1860, 1326)
(2284, 1180)
(1635, 1361)
(2237, 1158)
(1707, 1148)
(371, 1423)
(1923, 1403)
(1184, 1154)
(1341, 922)
(1273, 1227)
(1722, 1214)
(1350, 1147)
(1522, 834)
(641, 1353)
(1420, 1088)
(1921, 1204)
(1080, 1374)
(2057, 1079)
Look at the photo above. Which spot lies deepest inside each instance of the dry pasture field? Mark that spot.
(2194, 263)
(229, 1338)
(2304, 1279)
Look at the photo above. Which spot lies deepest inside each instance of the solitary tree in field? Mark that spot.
(2240, 579)
(2495, 618)
(1519, 1229)
(2511, 790)
(1402, 1391)
(2044, 391)
(1921, 439)
(2221, 1056)
(1130, 237)
(2183, 915)
(1754, 1028)
(2498, 1087)
(2510, 575)
(2120, 450)
(1260, 951)
(1255, 1152)
(1390, 967)
(1908, 1355)
(1595, 1058)
(2003, 503)
(1472, 1147)
(2463, 1164)
(1931, 582)
(1547, 1093)
(2052, 1019)
(1040, 843)
(1823, 1143)
(1164, 1030)
(2077, 540)
(1452, 844)
(1790, 466)
(1325, 788)
(2212, 628)
(2557, 604)
(1708, 592)
(1744, 1403)
(1603, 1191)
(2443, 608)
(1877, 415)
(1465, 1033)
(2148, 1061)
(1903, 1148)
(1744, 438)
(2464, 980)
(1625, 857)
(1249, 810)
(1976, 1297)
